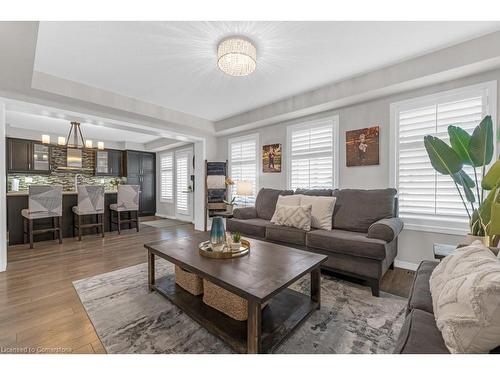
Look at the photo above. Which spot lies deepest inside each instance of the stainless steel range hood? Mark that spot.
(74, 158)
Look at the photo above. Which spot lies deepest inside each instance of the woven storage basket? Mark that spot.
(188, 281)
(225, 301)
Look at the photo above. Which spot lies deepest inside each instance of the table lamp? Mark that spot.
(244, 189)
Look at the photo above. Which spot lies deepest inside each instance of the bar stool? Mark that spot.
(90, 202)
(45, 201)
(128, 201)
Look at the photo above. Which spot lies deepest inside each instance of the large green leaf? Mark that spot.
(491, 178)
(459, 140)
(484, 212)
(460, 179)
(443, 158)
(464, 179)
(492, 208)
(481, 143)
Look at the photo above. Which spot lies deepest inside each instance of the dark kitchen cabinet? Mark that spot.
(115, 162)
(26, 156)
(140, 170)
(108, 163)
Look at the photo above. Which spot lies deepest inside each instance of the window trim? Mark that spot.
(335, 151)
(171, 153)
(230, 141)
(490, 89)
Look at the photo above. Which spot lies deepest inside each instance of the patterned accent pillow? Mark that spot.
(465, 290)
(286, 200)
(293, 216)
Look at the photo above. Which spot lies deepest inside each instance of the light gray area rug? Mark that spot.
(130, 319)
(164, 223)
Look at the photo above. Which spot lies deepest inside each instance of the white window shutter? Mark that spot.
(182, 176)
(243, 162)
(311, 156)
(425, 196)
(167, 177)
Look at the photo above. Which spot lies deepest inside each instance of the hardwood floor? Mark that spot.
(39, 307)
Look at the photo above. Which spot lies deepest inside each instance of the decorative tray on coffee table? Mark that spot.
(206, 250)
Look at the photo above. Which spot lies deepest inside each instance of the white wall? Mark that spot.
(414, 246)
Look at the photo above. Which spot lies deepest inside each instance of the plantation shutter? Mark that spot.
(425, 196)
(243, 166)
(182, 183)
(311, 156)
(167, 177)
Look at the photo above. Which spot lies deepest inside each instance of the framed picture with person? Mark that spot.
(271, 158)
(362, 146)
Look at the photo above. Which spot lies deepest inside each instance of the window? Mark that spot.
(182, 175)
(311, 155)
(428, 200)
(167, 177)
(243, 165)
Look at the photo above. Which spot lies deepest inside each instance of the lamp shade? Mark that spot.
(244, 188)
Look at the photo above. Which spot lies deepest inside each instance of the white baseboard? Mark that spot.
(165, 216)
(406, 265)
(173, 217)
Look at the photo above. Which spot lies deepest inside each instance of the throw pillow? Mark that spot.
(465, 290)
(286, 200)
(294, 216)
(322, 210)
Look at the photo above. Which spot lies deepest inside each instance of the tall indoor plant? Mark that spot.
(475, 150)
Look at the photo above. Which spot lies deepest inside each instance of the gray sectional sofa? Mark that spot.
(420, 334)
(362, 243)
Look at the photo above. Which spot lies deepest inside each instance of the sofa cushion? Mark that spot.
(420, 294)
(357, 209)
(315, 192)
(420, 335)
(250, 227)
(285, 234)
(286, 200)
(322, 210)
(293, 216)
(345, 242)
(245, 213)
(265, 203)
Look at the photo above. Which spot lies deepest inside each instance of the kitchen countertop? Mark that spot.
(70, 192)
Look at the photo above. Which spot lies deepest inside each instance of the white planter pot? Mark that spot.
(470, 239)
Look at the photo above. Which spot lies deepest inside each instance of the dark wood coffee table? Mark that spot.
(262, 276)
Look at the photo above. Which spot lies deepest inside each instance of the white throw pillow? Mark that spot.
(322, 210)
(465, 290)
(286, 200)
(293, 216)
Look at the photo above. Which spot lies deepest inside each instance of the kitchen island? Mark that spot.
(18, 200)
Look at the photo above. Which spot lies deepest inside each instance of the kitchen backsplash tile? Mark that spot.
(62, 177)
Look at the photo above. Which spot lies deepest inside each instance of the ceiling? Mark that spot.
(173, 64)
(49, 125)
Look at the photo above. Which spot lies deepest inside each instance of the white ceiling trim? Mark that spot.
(49, 83)
(471, 57)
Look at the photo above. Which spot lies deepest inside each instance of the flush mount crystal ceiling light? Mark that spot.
(236, 56)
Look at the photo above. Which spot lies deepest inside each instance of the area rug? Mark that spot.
(130, 319)
(164, 223)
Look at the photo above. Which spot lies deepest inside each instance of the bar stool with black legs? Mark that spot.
(90, 202)
(127, 201)
(44, 202)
